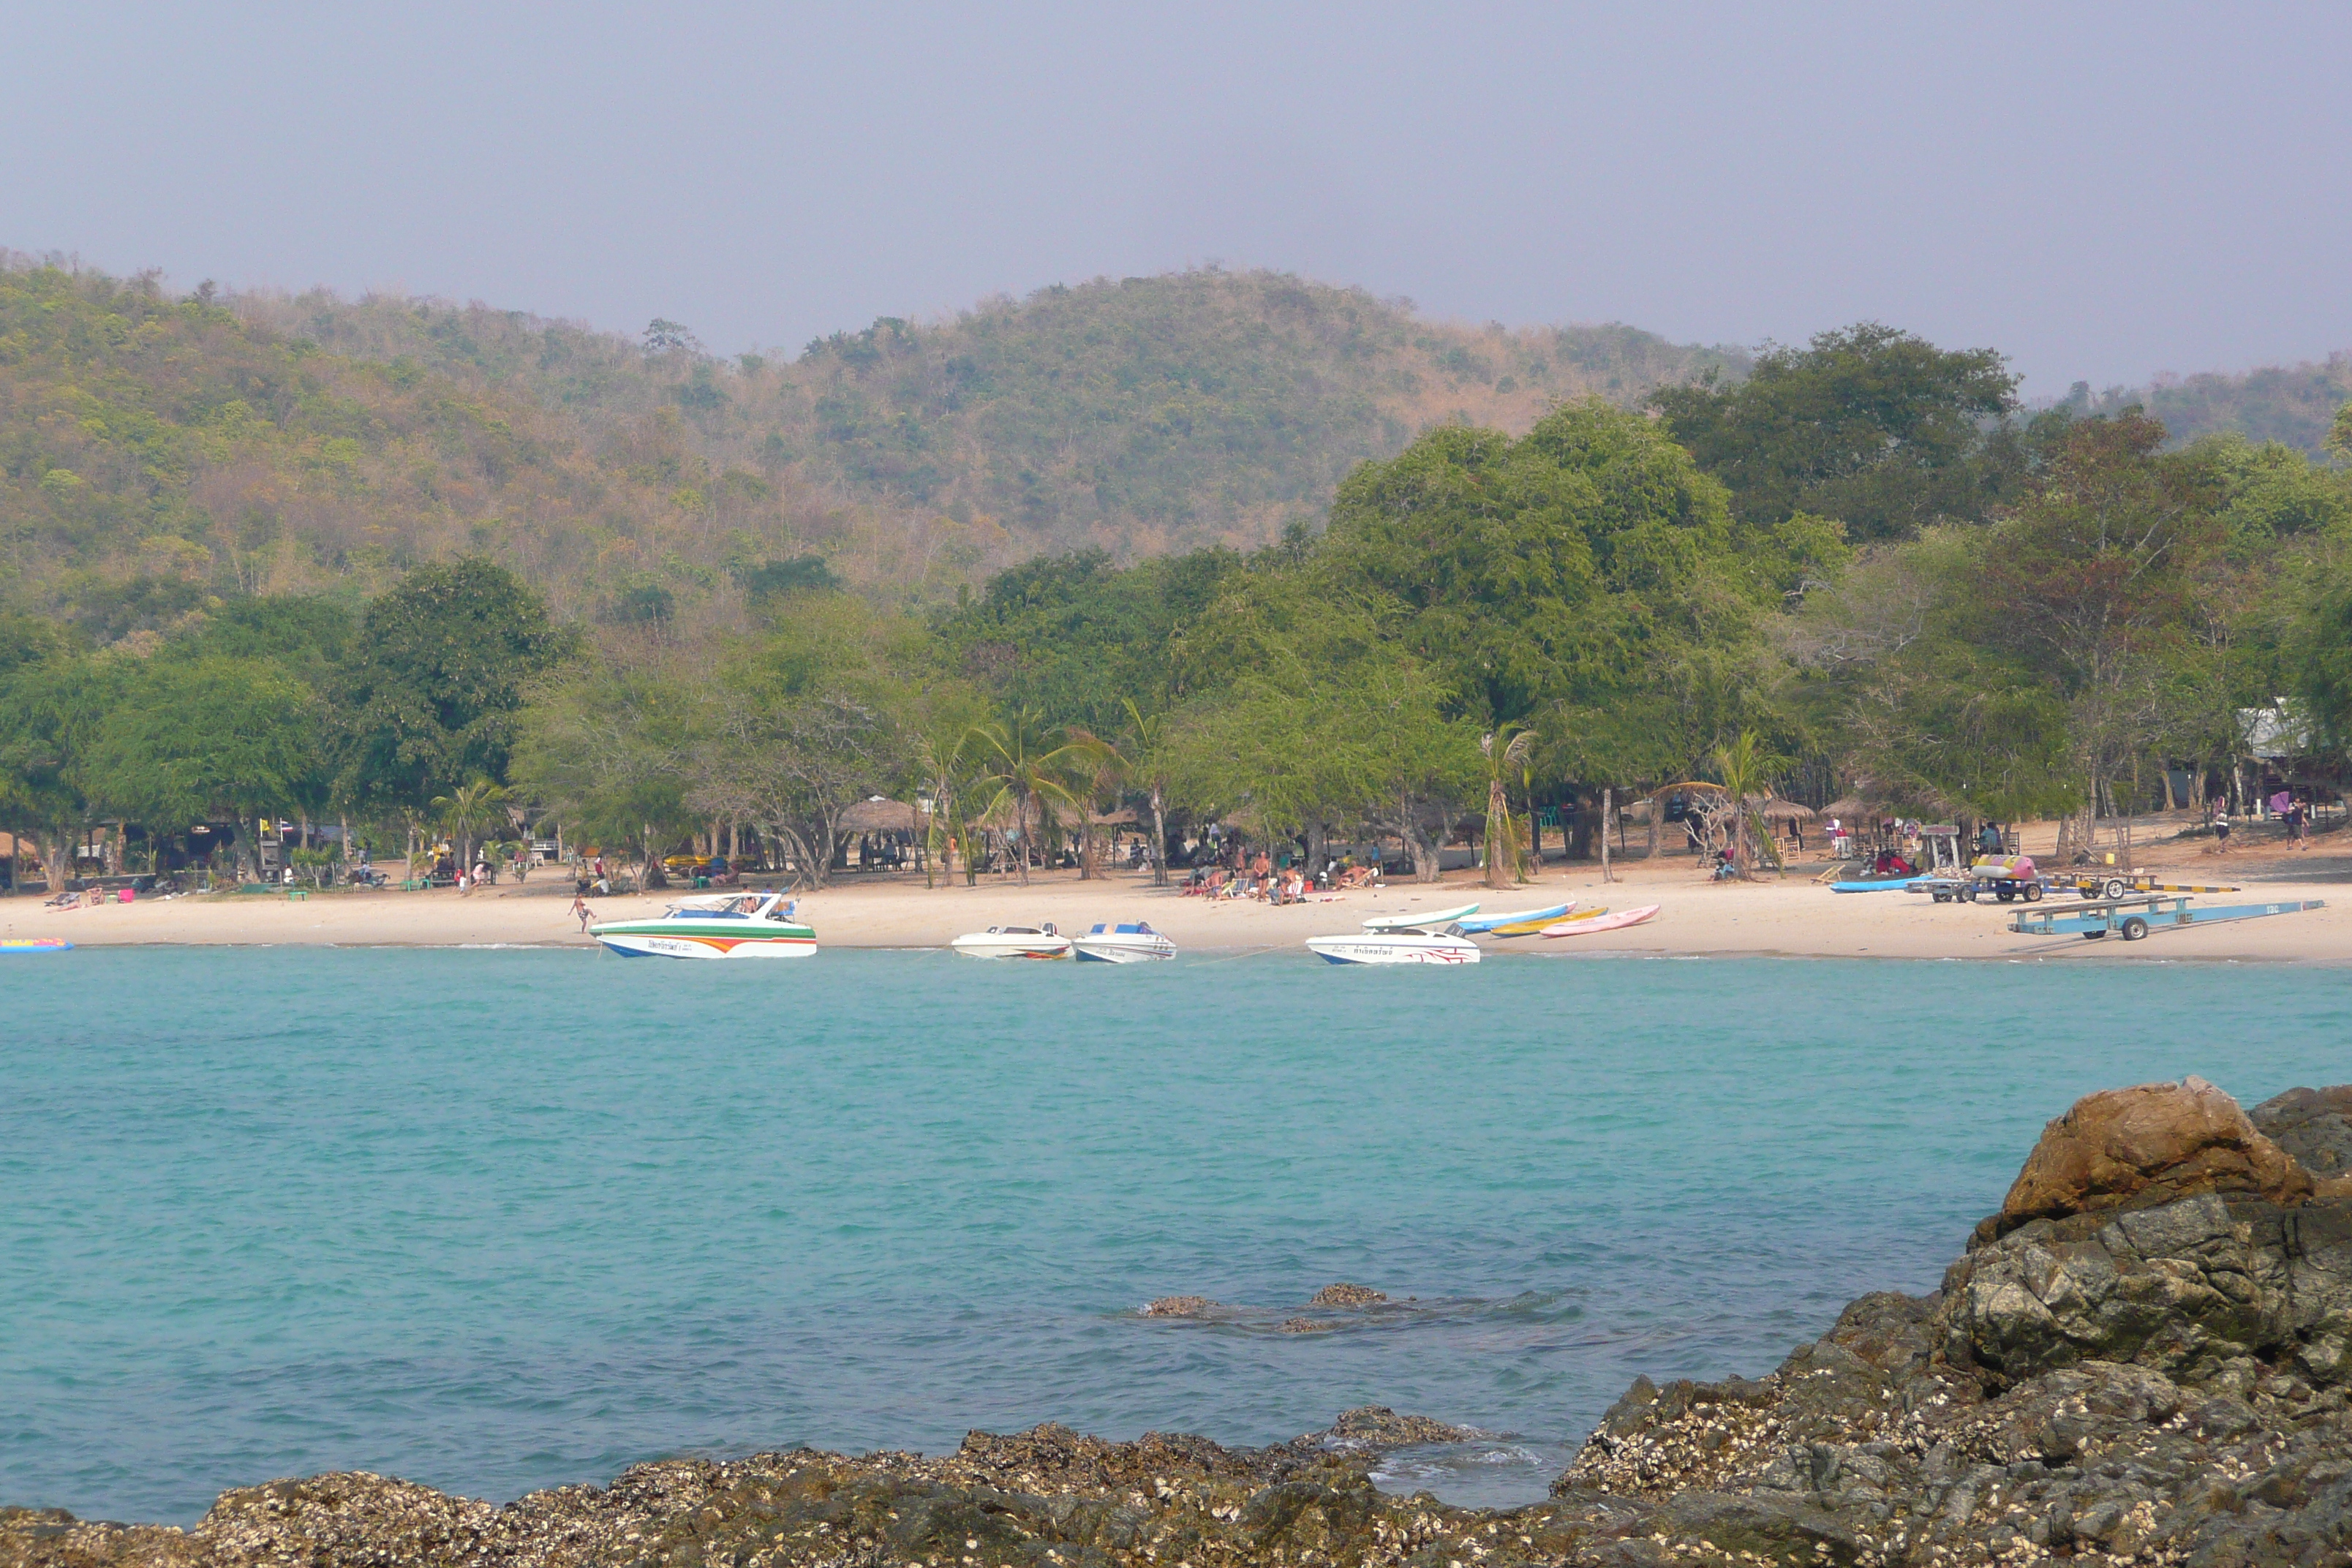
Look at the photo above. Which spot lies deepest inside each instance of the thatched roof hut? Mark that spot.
(882, 814)
(1772, 808)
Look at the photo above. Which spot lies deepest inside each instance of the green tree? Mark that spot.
(606, 746)
(1029, 769)
(2094, 579)
(212, 737)
(53, 697)
(814, 716)
(1873, 426)
(1894, 684)
(1144, 745)
(435, 681)
(1588, 573)
(469, 810)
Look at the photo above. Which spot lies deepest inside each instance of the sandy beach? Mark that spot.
(1791, 917)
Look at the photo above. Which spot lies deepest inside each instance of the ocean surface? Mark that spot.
(497, 1220)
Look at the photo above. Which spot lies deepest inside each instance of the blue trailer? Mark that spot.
(2132, 918)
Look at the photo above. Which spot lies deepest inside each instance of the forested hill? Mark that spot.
(2292, 403)
(1139, 415)
(156, 450)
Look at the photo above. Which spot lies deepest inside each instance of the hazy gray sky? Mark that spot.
(2102, 191)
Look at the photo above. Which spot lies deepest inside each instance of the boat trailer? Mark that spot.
(2032, 889)
(2133, 916)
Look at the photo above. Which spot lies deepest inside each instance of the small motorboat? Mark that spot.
(1127, 942)
(1601, 921)
(1432, 919)
(714, 925)
(1442, 943)
(1523, 923)
(1013, 941)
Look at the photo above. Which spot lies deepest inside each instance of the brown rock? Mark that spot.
(1346, 1295)
(1179, 1307)
(2130, 1148)
(1378, 1427)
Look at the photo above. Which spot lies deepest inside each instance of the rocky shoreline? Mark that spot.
(2145, 1357)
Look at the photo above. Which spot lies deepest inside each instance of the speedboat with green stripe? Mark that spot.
(714, 925)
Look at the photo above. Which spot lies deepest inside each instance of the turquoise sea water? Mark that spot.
(495, 1220)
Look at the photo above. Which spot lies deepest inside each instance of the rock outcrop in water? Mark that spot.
(2145, 1358)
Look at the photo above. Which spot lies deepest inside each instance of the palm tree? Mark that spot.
(1747, 769)
(470, 807)
(1031, 766)
(1146, 737)
(1506, 748)
(946, 760)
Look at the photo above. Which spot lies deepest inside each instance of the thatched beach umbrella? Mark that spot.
(1772, 808)
(882, 814)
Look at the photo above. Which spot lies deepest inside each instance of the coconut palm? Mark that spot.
(1146, 743)
(946, 764)
(1506, 748)
(470, 808)
(1748, 769)
(1032, 768)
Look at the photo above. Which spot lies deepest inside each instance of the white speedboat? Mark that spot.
(1013, 941)
(1387, 944)
(1432, 921)
(713, 925)
(1127, 943)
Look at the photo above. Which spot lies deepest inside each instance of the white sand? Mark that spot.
(1793, 918)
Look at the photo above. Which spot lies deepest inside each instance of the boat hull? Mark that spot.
(1048, 947)
(1373, 947)
(1095, 950)
(669, 939)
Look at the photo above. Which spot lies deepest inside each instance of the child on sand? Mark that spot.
(579, 908)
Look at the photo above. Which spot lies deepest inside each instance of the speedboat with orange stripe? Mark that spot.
(715, 925)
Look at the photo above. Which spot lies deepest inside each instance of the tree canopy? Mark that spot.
(1871, 426)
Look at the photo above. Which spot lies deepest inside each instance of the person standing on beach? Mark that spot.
(579, 908)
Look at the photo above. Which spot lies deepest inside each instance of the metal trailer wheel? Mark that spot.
(1965, 895)
(2005, 895)
(2135, 928)
(2086, 889)
(2093, 935)
(2118, 886)
(2033, 893)
(1942, 896)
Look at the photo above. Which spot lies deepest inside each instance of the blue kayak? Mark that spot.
(1880, 885)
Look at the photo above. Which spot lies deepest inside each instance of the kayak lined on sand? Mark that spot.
(1523, 923)
(1875, 884)
(35, 944)
(1433, 918)
(1602, 922)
